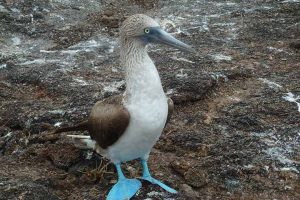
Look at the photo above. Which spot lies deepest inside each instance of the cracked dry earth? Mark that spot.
(236, 127)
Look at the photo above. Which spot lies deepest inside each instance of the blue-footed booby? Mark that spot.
(126, 127)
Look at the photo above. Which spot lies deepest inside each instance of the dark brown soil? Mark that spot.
(236, 126)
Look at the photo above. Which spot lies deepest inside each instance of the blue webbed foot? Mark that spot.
(162, 185)
(148, 177)
(124, 189)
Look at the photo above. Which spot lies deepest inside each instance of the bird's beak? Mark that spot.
(158, 35)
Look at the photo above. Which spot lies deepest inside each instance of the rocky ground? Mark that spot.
(236, 127)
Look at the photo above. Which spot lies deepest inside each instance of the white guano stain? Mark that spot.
(71, 52)
(91, 46)
(276, 50)
(278, 153)
(60, 112)
(46, 51)
(170, 91)
(154, 193)
(289, 169)
(291, 1)
(220, 57)
(2, 66)
(214, 16)
(181, 74)
(205, 23)
(57, 124)
(36, 61)
(113, 87)
(279, 149)
(270, 83)
(41, 62)
(80, 81)
(57, 16)
(290, 97)
(248, 166)
(226, 4)
(16, 41)
(9, 134)
(225, 24)
(89, 155)
(182, 59)
(219, 76)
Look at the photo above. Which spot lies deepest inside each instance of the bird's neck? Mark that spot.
(142, 78)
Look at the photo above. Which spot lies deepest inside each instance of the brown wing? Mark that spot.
(170, 109)
(108, 121)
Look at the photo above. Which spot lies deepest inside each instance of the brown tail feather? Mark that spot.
(82, 126)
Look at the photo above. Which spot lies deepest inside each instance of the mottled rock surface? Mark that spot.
(235, 130)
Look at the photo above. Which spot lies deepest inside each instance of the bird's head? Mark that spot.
(144, 29)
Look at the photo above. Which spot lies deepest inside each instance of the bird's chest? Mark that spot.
(149, 117)
(147, 105)
(147, 120)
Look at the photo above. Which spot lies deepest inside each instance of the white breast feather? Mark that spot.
(148, 110)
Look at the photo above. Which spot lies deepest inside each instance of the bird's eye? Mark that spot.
(146, 30)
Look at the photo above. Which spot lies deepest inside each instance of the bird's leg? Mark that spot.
(147, 176)
(125, 188)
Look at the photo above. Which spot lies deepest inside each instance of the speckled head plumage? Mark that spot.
(135, 25)
(141, 29)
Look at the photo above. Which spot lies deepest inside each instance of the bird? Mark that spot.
(125, 127)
